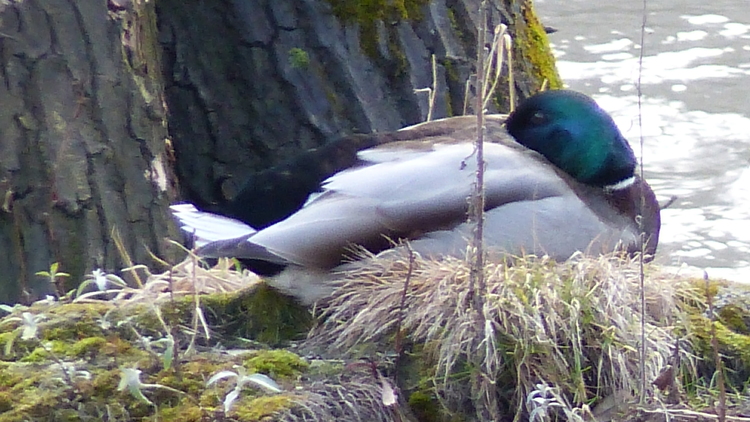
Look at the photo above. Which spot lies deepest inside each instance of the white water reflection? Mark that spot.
(695, 112)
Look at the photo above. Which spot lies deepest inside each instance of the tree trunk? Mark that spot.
(251, 83)
(82, 141)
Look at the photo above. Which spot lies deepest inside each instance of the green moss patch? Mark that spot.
(276, 363)
(368, 11)
(532, 43)
(261, 314)
(259, 408)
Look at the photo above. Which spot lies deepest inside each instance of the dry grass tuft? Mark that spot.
(189, 277)
(357, 397)
(571, 329)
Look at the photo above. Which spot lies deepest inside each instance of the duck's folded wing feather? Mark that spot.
(402, 197)
(557, 226)
(318, 236)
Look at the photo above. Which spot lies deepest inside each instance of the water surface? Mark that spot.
(695, 113)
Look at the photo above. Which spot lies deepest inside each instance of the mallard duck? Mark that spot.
(560, 178)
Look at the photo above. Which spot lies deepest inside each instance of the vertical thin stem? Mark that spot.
(484, 384)
(477, 201)
(642, 286)
(508, 41)
(721, 409)
(398, 344)
(433, 92)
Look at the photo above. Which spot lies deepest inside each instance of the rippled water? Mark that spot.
(695, 111)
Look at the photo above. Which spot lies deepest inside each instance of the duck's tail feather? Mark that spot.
(242, 248)
(205, 227)
(217, 236)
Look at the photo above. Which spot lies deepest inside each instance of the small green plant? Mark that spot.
(101, 279)
(29, 324)
(298, 58)
(168, 342)
(28, 328)
(242, 378)
(130, 379)
(53, 275)
(541, 402)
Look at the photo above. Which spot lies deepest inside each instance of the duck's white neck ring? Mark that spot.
(622, 184)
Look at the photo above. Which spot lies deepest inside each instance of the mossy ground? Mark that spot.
(70, 368)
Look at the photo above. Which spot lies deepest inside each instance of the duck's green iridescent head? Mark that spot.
(575, 134)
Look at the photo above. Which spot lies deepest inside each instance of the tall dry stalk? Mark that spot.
(483, 382)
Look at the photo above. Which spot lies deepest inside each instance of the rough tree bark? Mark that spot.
(82, 141)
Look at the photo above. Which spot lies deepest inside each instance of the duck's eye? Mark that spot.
(538, 118)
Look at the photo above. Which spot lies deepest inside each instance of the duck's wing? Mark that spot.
(401, 191)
